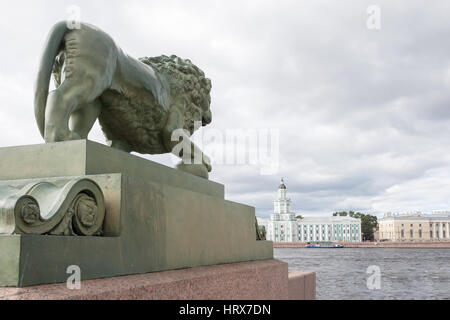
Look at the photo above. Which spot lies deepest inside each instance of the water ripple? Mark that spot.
(406, 274)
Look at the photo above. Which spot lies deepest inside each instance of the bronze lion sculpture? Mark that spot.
(139, 103)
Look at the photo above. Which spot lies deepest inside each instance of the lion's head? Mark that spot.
(187, 80)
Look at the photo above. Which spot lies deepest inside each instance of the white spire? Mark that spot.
(282, 185)
(282, 204)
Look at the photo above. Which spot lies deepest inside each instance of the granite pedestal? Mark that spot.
(157, 218)
(258, 280)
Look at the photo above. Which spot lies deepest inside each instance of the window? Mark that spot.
(431, 234)
(411, 233)
(420, 233)
(403, 233)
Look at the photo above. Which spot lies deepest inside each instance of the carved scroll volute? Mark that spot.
(8, 201)
(88, 214)
(76, 208)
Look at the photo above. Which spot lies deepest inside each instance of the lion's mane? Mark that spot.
(186, 79)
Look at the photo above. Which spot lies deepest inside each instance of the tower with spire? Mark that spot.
(282, 223)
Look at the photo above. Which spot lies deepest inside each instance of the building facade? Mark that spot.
(283, 226)
(417, 227)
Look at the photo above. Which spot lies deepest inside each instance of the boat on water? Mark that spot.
(318, 246)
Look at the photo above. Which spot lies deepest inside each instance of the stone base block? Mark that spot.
(157, 218)
(258, 280)
(302, 285)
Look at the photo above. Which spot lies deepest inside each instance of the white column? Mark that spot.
(434, 230)
(448, 230)
(441, 230)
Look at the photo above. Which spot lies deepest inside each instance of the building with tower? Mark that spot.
(283, 225)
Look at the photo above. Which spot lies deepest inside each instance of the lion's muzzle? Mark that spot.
(207, 118)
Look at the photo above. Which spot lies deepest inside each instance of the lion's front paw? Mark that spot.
(198, 170)
(74, 136)
(207, 163)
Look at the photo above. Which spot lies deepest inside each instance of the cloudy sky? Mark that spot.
(363, 115)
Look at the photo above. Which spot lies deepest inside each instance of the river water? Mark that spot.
(374, 274)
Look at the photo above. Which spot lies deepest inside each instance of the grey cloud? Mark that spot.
(363, 115)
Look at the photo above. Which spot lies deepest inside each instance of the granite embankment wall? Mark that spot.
(404, 245)
(257, 280)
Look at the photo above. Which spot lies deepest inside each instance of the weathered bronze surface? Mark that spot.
(140, 104)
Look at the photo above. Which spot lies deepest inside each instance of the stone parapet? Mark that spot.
(258, 280)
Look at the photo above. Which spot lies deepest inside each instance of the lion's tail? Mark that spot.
(51, 50)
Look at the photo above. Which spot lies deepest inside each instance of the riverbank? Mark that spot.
(386, 245)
